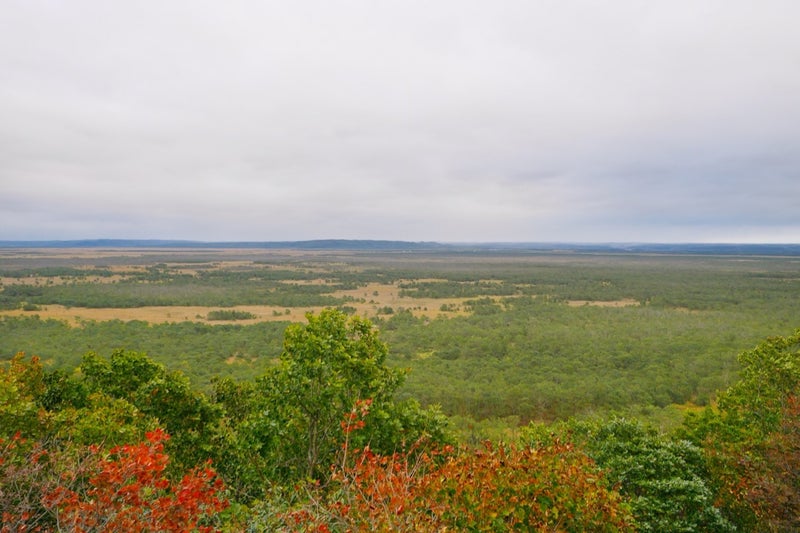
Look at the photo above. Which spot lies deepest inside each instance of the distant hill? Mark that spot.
(789, 249)
(321, 244)
(388, 245)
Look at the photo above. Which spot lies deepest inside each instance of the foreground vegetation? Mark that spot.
(320, 443)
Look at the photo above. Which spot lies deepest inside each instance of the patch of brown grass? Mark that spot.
(377, 296)
(159, 314)
(61, 280)
(369, 301)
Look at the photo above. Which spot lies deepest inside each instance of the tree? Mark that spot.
(122, 374)
(745, 436)
(663, 479)
(21, 387)
(769, 376)
(62, 391)
(773, 482)
(105, 422)
(327, 365)
(186, 414)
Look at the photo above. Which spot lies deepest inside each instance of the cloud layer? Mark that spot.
(449, 121)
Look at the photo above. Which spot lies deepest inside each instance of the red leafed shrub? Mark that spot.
(127, 491)
(496, 488)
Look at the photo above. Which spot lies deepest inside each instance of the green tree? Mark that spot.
(122, 374)
(189, 416)
(104, 421)
(63, 391)
(769, 376)
(664, 479)
(328, 365)
(21, 387)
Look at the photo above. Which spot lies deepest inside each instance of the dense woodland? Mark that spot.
(519, 404)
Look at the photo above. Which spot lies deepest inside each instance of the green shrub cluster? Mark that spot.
(229, 314)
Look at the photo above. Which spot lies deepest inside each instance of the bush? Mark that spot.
(496, 488)
(128, 491)
(230, 314)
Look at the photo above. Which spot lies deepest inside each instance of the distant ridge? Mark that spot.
(320, 244)
(789, 249)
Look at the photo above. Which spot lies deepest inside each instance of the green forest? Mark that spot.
(401, 392)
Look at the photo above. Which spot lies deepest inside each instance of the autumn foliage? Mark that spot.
(90, 490)
(129, 492)
(495, 488)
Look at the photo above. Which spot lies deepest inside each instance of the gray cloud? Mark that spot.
(459, 121)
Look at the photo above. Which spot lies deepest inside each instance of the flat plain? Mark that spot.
(485, 334)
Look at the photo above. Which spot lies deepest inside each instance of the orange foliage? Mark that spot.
(497, 488)
(129, 493)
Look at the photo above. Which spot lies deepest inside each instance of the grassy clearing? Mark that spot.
(158, 315)
(371, 300)
(379, 296)
(39, 281)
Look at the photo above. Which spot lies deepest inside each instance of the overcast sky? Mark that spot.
(435, 120)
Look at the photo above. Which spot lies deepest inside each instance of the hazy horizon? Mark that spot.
(790, 248)
(453, 122)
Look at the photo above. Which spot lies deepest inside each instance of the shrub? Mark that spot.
(128, 491)
(230, 314)
(496, 488)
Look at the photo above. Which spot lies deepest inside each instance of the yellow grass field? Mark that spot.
(370, 300)
(376, 296)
